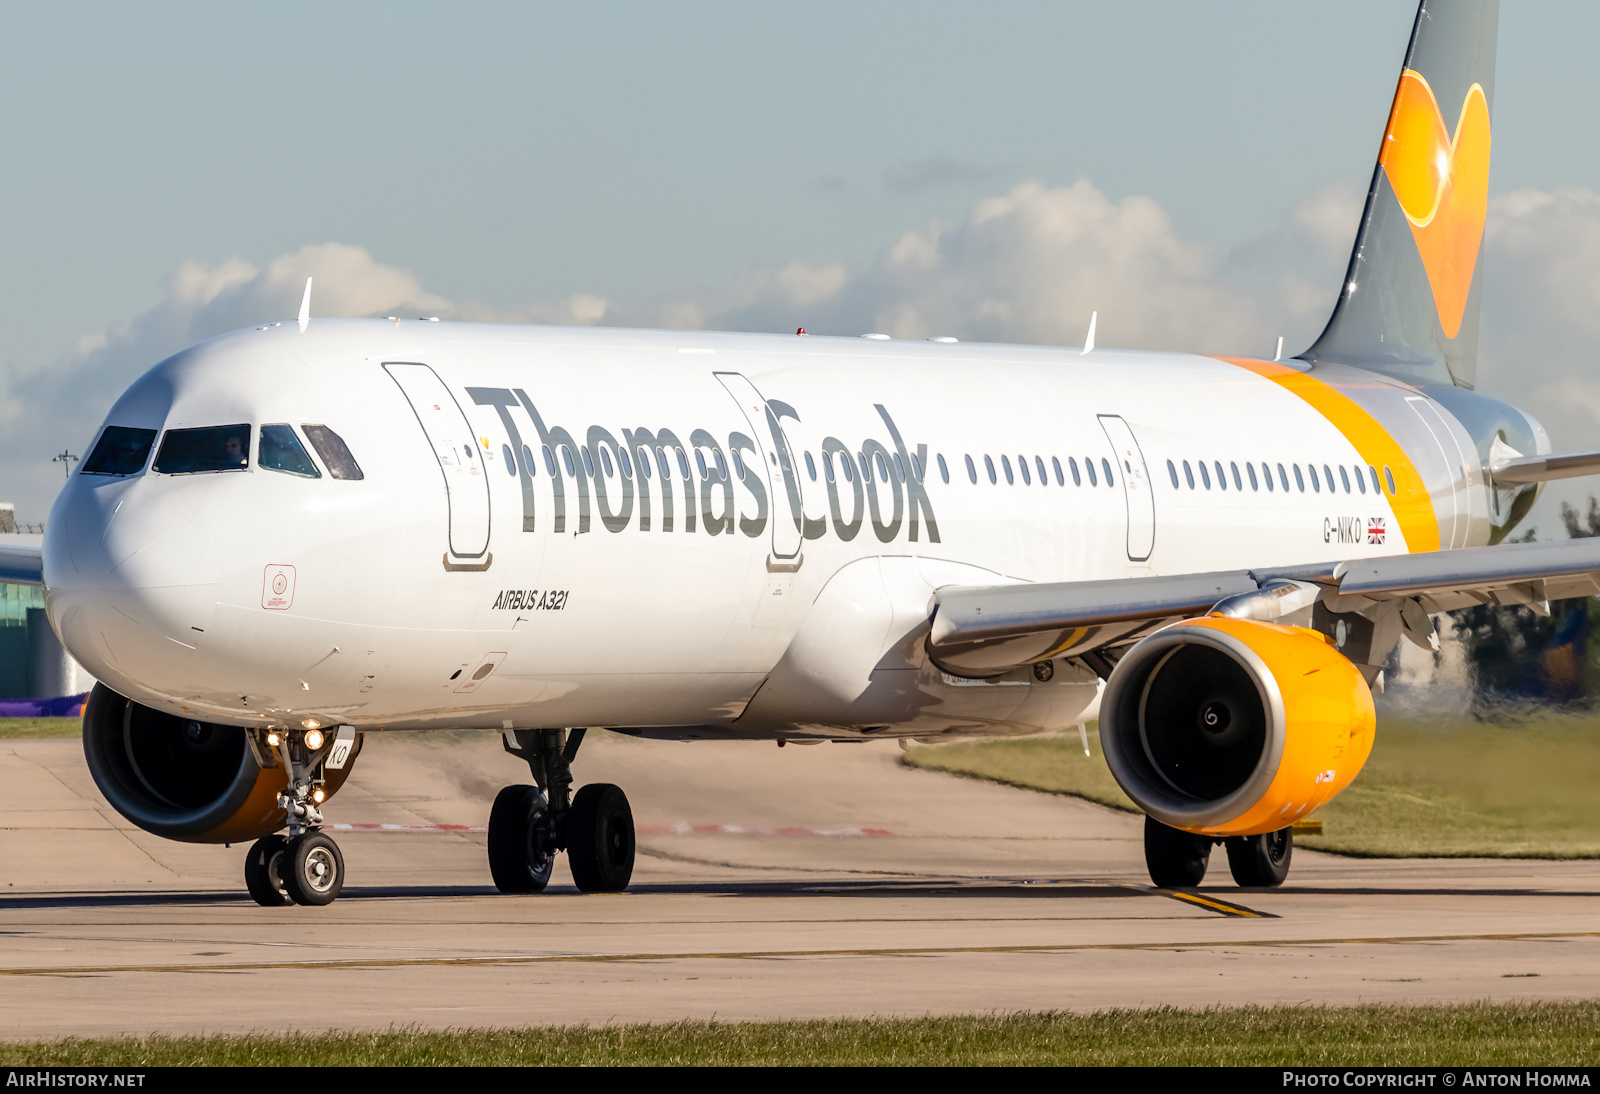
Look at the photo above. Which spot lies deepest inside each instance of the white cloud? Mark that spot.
(1028, 265)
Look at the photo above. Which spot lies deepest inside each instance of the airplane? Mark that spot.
(291, 536)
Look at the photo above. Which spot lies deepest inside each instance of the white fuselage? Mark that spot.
(448, 588)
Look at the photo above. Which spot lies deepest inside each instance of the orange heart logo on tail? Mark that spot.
(1443, 187)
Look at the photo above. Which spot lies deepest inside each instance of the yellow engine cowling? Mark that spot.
(184, 779)
(1231, 727)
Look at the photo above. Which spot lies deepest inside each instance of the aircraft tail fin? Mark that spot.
(1409, 303)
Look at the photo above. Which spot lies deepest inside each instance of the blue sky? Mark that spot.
(678, 161)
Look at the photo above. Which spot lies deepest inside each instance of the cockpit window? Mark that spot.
(122, 451)
(213, 448)
(282, 451)
(335, 453)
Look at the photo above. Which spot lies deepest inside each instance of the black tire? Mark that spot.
(600, 839)
(1261, 862)
(518, 859)
(313, 869)
(262, 875)
(1176, 859)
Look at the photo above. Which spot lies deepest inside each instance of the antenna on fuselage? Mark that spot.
(305, 308)
(1278, 356)
(1088, 343)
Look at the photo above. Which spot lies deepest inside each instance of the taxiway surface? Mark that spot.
(802, 882)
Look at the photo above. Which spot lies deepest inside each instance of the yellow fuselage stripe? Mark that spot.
(1413, 509)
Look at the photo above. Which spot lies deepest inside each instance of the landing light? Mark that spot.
(318, 794)
(272, 740)
(314, 739)
(311, 723)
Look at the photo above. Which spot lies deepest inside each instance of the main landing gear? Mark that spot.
(529, 825)
(304, 867)
(1178, 859)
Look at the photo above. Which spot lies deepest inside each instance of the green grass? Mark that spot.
(1526, 788)
(1475, 1034)
(12, 729)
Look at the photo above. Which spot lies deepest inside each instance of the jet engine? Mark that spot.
(183, 779)
(1233, 727)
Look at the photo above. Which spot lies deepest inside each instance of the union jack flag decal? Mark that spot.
(1375, 530)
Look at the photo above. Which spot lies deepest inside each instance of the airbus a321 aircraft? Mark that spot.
(290, 536)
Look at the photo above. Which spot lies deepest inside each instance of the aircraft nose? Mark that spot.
(130, 578)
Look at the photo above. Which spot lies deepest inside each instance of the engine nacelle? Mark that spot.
(181, 778)
(1232, 727)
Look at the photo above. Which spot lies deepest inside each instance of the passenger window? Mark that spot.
(988, 465)
(1361, 482)
(624, 462)
(282, 451)
(1388, 476)
(700, 462)
(811, 467)
(738, 464)
(1038, 465)
(213, 448)
(1055, 462)
(588, 461)
(1327, 474)
(1311, 473)
(1205, 476)
(1005, 462)
(121, 450)
(1344, 477)
(505, 454)
(883, 471)
(1188, 474)
(944, 470)
(848, 466)
(527, 462)
(1088, 465)
(1298, 481)
(899, 468)
(722, 465)
(1238, 484)
(1250, 468)
(566, 458)
(916, 467)
(1105, 465)
(1072, 463)
(1376, 489)
(683, 464)
(1022, 466)
(827, 466)
(605, 461)
(644, 462)
(1283, 478)
(550, 461)
(1222, 478)
(1266, 473)
(972, 471)
(1172, 471)
(866, 467)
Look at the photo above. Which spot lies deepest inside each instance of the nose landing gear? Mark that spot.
(304, 867)
(530, 824)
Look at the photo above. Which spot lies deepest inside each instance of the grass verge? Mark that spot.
(1527, 788)
(14, 729)
(1475, 1034)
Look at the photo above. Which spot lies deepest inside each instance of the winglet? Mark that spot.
(305, 308)
(1088, 342)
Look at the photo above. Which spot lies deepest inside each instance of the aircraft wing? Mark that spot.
(22, 559)
(984, 631)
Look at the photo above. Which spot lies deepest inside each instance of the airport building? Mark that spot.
(33, 664)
